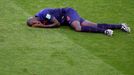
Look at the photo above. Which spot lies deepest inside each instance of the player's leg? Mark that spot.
(74, 20)
(76, 25)
(105, 26)
(122, 26)
(110, 26)
(87, 23)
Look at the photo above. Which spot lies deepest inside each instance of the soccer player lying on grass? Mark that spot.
(54, 17)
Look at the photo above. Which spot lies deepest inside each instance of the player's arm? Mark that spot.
(55, 23)
(48, 18)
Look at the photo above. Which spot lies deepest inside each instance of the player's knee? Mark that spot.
(76, 25)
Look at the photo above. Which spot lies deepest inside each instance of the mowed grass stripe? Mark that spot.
(48, 54)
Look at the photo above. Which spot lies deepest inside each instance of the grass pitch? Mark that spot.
(62, 51)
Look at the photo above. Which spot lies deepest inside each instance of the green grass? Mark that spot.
(62, 51)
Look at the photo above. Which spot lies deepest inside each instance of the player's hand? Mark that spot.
(44, 22)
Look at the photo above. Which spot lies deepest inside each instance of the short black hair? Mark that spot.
(29, 21)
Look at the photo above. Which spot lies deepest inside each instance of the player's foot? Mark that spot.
(109, 32)
(125, 28)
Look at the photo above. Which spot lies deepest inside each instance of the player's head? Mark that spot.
(31, 21)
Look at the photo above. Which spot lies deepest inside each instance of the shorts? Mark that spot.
(71, 15)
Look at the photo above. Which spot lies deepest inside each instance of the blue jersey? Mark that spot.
(63, 15)
(49, 13)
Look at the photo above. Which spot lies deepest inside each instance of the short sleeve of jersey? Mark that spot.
(44, 15)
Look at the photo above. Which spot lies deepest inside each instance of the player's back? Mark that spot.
(54, 12)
